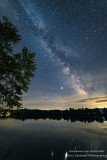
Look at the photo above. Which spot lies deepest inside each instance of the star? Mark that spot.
(62, 88)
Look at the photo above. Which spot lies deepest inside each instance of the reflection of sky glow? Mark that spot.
(27, 138)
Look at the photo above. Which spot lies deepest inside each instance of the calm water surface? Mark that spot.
(50, 139)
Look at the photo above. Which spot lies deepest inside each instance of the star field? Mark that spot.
(70, 38)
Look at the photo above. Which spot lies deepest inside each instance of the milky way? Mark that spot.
(70, 38)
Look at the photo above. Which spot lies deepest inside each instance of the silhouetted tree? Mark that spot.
(16, 69)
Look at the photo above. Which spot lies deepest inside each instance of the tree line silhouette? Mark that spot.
(83, 114)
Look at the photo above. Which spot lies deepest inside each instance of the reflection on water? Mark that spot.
(49, 139)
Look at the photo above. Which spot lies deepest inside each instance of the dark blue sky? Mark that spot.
(70, 38)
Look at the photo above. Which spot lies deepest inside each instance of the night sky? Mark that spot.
(70, 39)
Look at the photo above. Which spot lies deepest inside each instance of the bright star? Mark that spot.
(62, 87)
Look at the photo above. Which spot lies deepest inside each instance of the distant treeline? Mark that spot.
(83, 115)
